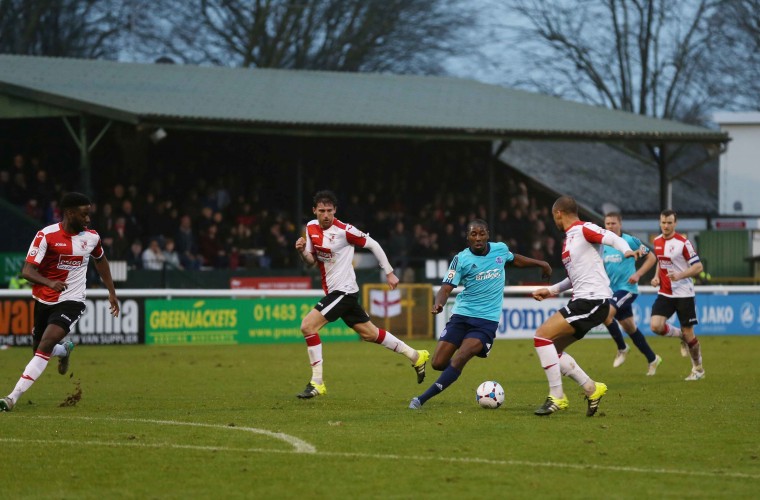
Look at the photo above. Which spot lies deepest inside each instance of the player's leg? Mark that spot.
(569, 367)
(662, 309)
(555, 327)
(310, 327)
(462, 342)
(615, 332)
(687, 317)
(470, 348)
(51, 336)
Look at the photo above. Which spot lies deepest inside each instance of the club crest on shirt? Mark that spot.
(499, 260)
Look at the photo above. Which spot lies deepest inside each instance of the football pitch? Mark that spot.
(223, 422)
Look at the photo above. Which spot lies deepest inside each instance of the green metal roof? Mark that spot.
(306, 102)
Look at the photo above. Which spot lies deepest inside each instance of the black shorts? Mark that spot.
(342, 305)
(686, 308)
(63, 314)
(584, 314)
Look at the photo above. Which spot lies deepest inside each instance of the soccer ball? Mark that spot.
(490, 394)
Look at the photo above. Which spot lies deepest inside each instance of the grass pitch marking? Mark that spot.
(300, 446)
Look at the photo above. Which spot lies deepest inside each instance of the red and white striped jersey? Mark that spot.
(675, 254)
(333, 248)
(60, 256)
(582, 258)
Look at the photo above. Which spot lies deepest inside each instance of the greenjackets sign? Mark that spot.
(233, 321)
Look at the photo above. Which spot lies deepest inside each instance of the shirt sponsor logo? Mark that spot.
(58, 244)
(488, 275)
(70, 262)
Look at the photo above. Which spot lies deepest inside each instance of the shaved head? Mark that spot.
(566, 204)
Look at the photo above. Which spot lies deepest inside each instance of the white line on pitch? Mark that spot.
(300, 446)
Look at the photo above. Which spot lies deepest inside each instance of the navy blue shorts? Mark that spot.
(622, 301)
(465, 327)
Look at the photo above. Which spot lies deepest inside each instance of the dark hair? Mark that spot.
(668, 212)
(326, 197)
(477, 222)
(615, 215)
(73, 200)
(566, 204)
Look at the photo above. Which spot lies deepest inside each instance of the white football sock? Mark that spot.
(549, 358)
(58, 350)
(390, 341)
(570, 368)
(314, 349)
(32, 372)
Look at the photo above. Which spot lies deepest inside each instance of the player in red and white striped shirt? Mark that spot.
(582, 257)
(330, 244)
(57, 265)
(677, 263)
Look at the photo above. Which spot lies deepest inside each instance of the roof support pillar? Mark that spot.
(498, 149)
(85, 148)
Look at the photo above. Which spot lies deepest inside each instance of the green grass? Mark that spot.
(657, 437)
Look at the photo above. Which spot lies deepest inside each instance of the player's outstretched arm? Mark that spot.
(523, 261)
(104, 270)
(441, 298)
(649, 262)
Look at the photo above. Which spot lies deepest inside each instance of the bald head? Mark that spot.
(565, 212)
(566, 204)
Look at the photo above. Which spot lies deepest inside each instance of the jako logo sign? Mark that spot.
(748, 315)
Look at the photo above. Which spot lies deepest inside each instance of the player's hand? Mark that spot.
(674, 276)
(301, 244)
(634, 278)
(114, 305)
(546, 270)
(437, 308)
(58, 286)
(655, 282)
(636, 254)
(541, 294)
(392, 280)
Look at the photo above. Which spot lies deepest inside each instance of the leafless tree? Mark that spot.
(402, 36)
(72, 28)
(735, 45)
(649, 57)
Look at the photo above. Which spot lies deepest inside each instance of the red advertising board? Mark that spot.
(271, 282)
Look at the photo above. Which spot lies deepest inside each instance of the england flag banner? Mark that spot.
(385, 304)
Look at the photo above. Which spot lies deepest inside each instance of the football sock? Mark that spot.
(672, 331)
(390, 341)
(58, 350)
(641, 343)
(570, 368)
(31, 373)
(314, 348)
(616, 335)
(695, 350)
(549, 358)
(447, 377)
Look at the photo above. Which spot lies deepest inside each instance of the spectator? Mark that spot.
(212, 249)
(153, 257)
(120, 239)
(135, 256)
(171, 258)
(187, 245)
